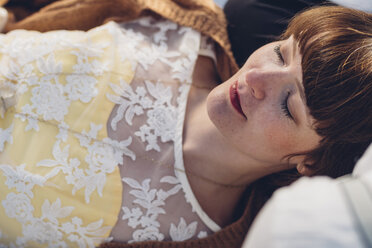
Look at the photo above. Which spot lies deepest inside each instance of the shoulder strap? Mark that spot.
(359, 197)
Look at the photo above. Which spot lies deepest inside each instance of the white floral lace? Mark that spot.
(45, 229)
(161, 113)
(151, 200)
(5, 136)
(31, 62)
(141, 135)
(102, 158)
(152, 107)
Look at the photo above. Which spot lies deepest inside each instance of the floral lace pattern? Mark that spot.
(45, 90)
(151, 200)
(102, 158)
(5, 136)
(161, 113)
(64, 191)
(45, 229)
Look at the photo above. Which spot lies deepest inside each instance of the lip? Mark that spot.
(235, 99)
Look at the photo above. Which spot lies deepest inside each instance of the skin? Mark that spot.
(231, 148)
(268, 133)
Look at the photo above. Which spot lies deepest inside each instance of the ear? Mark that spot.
(304, 169)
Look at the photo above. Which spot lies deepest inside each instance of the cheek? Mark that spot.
(284, 140)
(278, 136)
(216, 105)
(279, 139)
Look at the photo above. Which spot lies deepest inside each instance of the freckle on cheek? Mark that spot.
(281, 142)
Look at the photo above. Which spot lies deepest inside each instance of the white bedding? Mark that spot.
(311, 213)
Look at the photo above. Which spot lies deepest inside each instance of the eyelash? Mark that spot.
(278, 53)
(285, 106)
(285, 102)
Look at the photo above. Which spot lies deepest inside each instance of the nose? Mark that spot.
(260, 82)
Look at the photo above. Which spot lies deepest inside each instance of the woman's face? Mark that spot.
(261, 110)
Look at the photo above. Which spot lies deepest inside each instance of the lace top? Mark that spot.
(91, 136)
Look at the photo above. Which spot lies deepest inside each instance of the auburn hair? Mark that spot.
(336, 48)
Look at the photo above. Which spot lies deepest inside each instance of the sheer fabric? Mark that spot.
(91, 136)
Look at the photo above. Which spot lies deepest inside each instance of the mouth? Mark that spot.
(235, 99)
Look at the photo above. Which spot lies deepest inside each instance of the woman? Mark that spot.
(258, 123)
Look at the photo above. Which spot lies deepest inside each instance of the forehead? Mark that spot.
(293, 45)
(293, 56)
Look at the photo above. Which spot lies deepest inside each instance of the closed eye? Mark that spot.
(285, 108)
(278, 53)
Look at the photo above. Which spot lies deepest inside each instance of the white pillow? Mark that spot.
(364, 164)
(312, 212)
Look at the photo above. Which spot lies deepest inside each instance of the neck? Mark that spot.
(212, 165)
(214, 168)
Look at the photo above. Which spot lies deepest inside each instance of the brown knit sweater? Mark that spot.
(202, 15)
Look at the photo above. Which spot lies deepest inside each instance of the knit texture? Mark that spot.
(202, 15)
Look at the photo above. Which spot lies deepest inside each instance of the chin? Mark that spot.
(218, 108)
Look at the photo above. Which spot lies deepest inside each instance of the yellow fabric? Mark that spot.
(53, 59)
